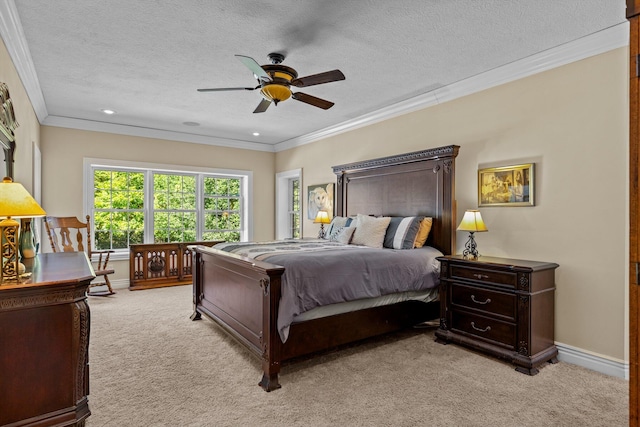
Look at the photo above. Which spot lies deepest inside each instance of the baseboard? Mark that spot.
(580, 357)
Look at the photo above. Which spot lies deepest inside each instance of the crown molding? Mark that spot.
(585, 47)
(96, 126)
(16, 44)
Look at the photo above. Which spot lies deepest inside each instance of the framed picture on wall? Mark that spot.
(320, 197)
(506, 186)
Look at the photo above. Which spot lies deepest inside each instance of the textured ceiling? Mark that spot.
(146, 58)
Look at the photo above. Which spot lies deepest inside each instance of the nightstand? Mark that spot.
(501, 307)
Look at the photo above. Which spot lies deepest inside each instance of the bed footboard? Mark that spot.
(241, 295)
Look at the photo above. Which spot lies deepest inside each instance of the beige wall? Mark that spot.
(63, 151)
(573, 123)
(28, 133)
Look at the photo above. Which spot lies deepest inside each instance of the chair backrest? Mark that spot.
(68, 234)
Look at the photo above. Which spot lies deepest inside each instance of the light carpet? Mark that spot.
(152, 366)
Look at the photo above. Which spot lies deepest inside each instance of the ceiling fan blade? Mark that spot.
(316, 79)
(221, 89)
(262, 107)
(255, 68)
(312, 100)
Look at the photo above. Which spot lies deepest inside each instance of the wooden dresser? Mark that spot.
(502, 307)
(44, 343)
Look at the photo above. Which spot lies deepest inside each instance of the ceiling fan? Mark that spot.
(275, 81)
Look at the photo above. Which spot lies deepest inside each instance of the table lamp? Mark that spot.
(322, 218)
(471, 222)
(15, 202)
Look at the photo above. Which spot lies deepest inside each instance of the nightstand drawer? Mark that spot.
(500, 278)
(493, 330)
(488, 301)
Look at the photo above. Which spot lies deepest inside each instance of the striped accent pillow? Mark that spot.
(402, 232)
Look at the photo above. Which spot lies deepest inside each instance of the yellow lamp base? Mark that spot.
(10, 270)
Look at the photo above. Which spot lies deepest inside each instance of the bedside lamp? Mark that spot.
(471, 222)
(322, 218)
(15, 202)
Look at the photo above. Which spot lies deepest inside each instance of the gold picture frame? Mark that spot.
(506, 186)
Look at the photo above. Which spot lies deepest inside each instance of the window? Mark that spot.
(144, 203)
(118, 208)
(289, 204)
(295, 224)
(222, 209)
(174, 208)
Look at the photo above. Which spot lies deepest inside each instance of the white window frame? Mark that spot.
(246, 177)
(283, 226)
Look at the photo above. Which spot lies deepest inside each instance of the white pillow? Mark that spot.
(370, 231)
(343, 235)
(336, 223)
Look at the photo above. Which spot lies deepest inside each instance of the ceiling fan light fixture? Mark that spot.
(275, 80)
(275, 92)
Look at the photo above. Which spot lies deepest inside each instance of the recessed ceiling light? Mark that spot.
(191, 123)
(256, 134)
(106, 111)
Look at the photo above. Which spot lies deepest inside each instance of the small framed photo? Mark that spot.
(506, 186)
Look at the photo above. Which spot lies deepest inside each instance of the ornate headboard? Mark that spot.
(418, 183)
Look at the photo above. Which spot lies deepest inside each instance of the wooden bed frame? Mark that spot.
(242, 295)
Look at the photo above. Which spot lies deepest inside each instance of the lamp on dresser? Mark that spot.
(15, 202)
(471, 222)
(322, 218)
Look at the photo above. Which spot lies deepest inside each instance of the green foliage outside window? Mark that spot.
(294, 209)
(119, 201)
(222, 220)
(174, 218)
(118, 209)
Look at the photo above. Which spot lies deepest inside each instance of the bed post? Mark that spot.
(449, 215)
(340, 193)
(197, 285)
(271, 343)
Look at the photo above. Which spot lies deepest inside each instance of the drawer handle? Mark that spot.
(473, 298)
(487, 329)
(481, 276)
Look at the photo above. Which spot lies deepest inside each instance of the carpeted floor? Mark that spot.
(152, 366)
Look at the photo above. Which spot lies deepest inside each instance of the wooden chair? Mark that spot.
(60, 229)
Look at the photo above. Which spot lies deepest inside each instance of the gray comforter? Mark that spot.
(319, 272)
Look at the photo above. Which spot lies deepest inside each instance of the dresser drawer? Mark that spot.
(500, 278)
(492, 330)
(491, 302)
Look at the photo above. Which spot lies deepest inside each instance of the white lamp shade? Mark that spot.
(322, 218)
(472, 221)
